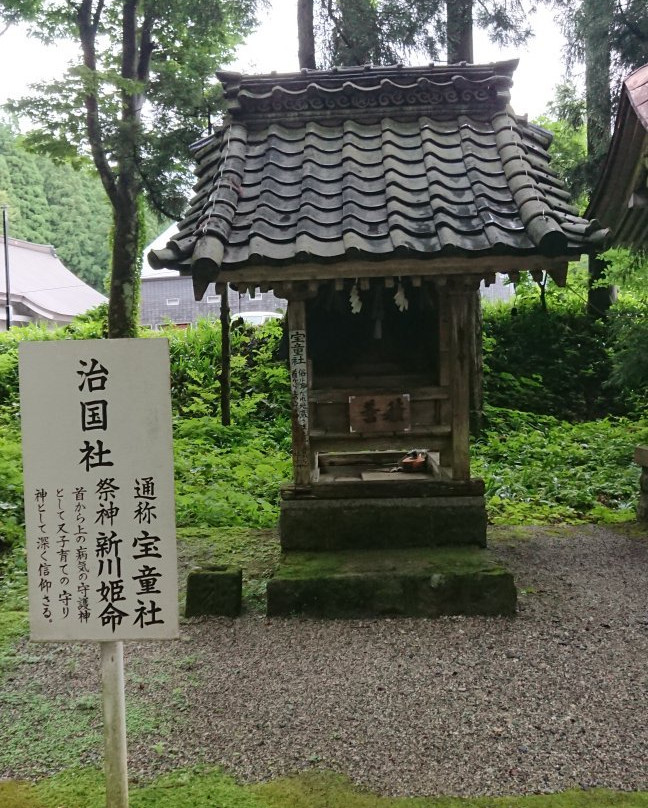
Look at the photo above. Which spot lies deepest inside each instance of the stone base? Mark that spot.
(214, 591)
(388, 522)
(416, 582)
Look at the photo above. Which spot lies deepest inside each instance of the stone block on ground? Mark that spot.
(390, 522)
(414, 582)
(214, 591)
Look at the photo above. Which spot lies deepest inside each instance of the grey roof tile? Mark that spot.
(364, 162)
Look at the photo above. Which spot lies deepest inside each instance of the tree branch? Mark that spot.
(337, 25)
(629, 24)
(87, 24)
(147, 46)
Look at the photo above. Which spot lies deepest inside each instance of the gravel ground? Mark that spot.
(553, 699)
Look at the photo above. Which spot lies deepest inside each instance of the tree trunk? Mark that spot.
(226, 363)
(124, 279)
(305, 34)
(459, 30)
(599, 298)
(598, 18)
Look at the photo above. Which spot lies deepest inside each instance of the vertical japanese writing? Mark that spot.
(147, 551)
(94, 414)
(107, 550)
(63, 553)
(299, 376)
(44, 563)
(81, 555)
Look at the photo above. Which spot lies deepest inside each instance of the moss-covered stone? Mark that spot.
(344, 524)
(214, 591)
(416, 582)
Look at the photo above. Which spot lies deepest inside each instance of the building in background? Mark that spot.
(41, 289)
(167, 298)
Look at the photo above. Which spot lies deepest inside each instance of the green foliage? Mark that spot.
(629, 271)
(260, 385)
(566, 122)
(539, 470)
(229, 475)
(628, 325)
(553, 362)
(355, 32)
(203, 787)
(178, 48)
(52, 203)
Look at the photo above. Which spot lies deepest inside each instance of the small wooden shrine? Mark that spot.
(376, 200)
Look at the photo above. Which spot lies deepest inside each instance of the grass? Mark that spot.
(540, 470)
(210, 788)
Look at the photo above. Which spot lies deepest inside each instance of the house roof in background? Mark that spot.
(38, 279)
(158, 243)
(373, 163)
(620, 200)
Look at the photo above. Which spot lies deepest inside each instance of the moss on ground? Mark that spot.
(207, 788)
(410, 561)
(256, 552)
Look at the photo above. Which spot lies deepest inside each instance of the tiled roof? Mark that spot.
(373, 163)
(620, 198)
(43, 285)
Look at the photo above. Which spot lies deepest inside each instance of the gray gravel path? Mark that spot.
(553, 699)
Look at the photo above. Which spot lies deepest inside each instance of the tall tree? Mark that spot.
(459, 28)
(611, 38)
(140, 94)
(305, 34)
(391, 31)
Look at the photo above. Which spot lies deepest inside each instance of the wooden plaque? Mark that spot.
(380, 413)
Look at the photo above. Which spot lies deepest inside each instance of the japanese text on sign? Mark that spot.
(380, 413)
(99, 506)
(299, 376)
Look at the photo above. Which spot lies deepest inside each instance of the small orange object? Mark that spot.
(413, 461)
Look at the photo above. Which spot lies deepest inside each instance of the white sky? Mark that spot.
(274, 47)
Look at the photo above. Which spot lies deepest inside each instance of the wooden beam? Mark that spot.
(460, 326)
(405, 268)
(558, 276)
(226, 363)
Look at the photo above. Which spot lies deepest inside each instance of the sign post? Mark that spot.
(114, 716)
(99, 507)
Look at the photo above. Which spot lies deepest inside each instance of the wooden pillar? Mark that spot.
(226, 363)
(297, 343)
(459, 294)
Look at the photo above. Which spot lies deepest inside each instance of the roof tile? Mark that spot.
(332, 165)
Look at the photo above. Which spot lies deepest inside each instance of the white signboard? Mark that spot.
(99, 496)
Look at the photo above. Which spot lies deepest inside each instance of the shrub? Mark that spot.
(553, 362)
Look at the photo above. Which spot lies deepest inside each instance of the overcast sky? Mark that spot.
(274, 47)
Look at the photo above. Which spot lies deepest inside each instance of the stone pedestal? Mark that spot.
(401, 547)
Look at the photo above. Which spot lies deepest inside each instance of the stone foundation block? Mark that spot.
(214, 591)
(409, 583)
(344, 524)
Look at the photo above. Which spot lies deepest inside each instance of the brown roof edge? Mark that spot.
(636, 85)
(624, 151)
